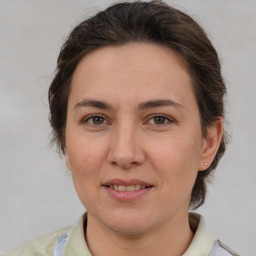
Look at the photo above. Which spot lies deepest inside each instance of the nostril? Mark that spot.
(125, 165)
(125, 157)
(114, 163)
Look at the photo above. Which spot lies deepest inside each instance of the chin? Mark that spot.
(127, 223)
(129, 229)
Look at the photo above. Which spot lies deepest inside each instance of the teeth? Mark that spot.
(122, 188)
(134, 187)
(127, 188)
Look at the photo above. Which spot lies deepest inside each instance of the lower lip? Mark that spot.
(127, 196)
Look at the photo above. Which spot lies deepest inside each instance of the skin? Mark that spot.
(128, 142)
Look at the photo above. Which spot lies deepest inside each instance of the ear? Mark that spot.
(210, 144)
(67, 160)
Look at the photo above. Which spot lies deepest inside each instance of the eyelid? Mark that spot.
(151, 116)
(88, 117)
(168, 118)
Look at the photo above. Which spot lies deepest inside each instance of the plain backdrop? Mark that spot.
(36, 190)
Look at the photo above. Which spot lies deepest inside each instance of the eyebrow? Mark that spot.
(144, 105)
(94, 104)
(159, 103)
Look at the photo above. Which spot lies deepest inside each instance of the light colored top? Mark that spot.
(71, 242)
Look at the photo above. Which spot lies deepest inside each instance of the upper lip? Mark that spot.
(126, 182)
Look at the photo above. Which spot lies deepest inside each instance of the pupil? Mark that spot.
(97, 120)
(159, 120)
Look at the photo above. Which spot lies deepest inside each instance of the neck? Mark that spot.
(172, 238)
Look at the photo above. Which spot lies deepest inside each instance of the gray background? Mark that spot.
(36, 191)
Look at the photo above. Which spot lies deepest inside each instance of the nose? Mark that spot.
(126, 150)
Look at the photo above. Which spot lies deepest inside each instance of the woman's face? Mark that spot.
(133, 137)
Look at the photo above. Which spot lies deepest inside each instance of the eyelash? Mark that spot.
(87, 119)
(167, 120)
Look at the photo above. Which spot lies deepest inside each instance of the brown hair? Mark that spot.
(152, 22)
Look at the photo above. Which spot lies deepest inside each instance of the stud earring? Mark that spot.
(205, 164)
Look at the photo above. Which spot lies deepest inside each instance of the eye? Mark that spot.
(95, 120)
(160, 120)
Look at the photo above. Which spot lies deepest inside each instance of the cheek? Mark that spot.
(175, 151)
(176, 161)
(86, 159)
(85, 155)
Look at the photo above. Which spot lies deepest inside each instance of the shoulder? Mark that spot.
(220, 249)
(204, 242)
(42, 246)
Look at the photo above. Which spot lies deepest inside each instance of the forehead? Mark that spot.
(140, 69)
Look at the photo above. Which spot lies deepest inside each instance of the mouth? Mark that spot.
(127, 188)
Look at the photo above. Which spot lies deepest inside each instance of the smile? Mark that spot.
(127, 188)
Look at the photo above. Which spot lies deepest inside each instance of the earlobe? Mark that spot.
(67, 161)
(211, 144)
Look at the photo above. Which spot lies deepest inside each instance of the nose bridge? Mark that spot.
(125, 148)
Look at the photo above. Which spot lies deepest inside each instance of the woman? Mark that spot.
(136, 108)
